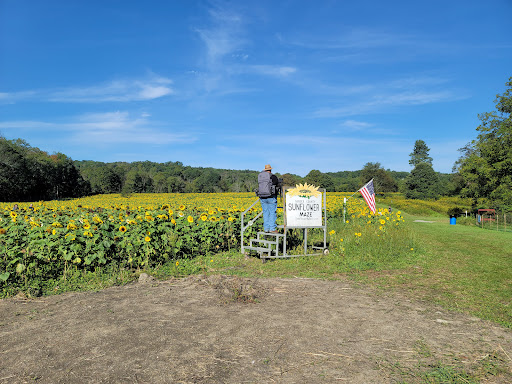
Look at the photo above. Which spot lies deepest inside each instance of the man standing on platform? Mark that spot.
(267, 192)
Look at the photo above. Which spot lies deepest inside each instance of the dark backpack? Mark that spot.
(265, 186)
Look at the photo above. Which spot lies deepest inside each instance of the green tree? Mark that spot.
(319, 179)
(66, 180)
(14, 171)
(175, 184)
(423, 181)
(28, 173)
(207, 182)
(420, 154)
(382, 179)
(104, 180)
(485, 166)
(138, 181)
(290, 180)
(160, 182)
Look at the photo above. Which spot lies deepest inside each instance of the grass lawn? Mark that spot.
(464, 268)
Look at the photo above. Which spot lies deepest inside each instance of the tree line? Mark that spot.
(30, 174)
(485, 165)
(484, 171)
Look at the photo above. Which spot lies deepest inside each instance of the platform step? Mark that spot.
(259, 249)
(270, 234)
(262, 241)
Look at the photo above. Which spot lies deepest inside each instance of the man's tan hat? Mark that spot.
(268, 167)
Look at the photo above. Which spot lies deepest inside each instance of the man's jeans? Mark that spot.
(269, 207)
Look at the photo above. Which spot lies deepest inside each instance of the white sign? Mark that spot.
(303, 206)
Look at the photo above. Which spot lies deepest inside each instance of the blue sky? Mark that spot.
(302, 85)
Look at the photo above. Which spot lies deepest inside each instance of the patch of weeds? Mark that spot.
(436, 373)
(493, 364)
(80, 280)
(445, 374)
(422, 348)
(236, 289)
(177, 268)
(430, 370)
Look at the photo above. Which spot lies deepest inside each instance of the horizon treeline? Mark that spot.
(31, 174)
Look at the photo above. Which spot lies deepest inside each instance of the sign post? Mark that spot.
(305, 207)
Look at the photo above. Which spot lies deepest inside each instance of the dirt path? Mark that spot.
(209, 330)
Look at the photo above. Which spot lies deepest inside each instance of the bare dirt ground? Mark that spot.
(220, 329)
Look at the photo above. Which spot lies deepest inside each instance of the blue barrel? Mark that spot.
(453, 220)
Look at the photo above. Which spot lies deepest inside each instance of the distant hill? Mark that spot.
(41, 176)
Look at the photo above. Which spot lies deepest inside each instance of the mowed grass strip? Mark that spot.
(462, 268)
(467, 269)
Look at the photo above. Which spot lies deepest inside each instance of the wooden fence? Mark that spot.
(499, 221)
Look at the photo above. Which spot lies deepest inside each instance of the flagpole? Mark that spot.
(346, 198)
(358, 190)
(345, 203)
(344, 208)
(353, 193)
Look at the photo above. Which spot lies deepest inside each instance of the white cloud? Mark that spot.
(396, 93)
(121, 127)
(413, 98)
(26, 124)
(121, 90)
(271, 70)
(110, 128)
(12, 97)
(223, 37)
(351, 38)
(150, 92)
(118, 91)
(355, 125)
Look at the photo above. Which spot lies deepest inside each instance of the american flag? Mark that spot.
(369, 195)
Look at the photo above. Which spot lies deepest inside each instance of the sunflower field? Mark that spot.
(43, 240)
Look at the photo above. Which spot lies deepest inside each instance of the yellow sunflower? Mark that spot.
(304, 190)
